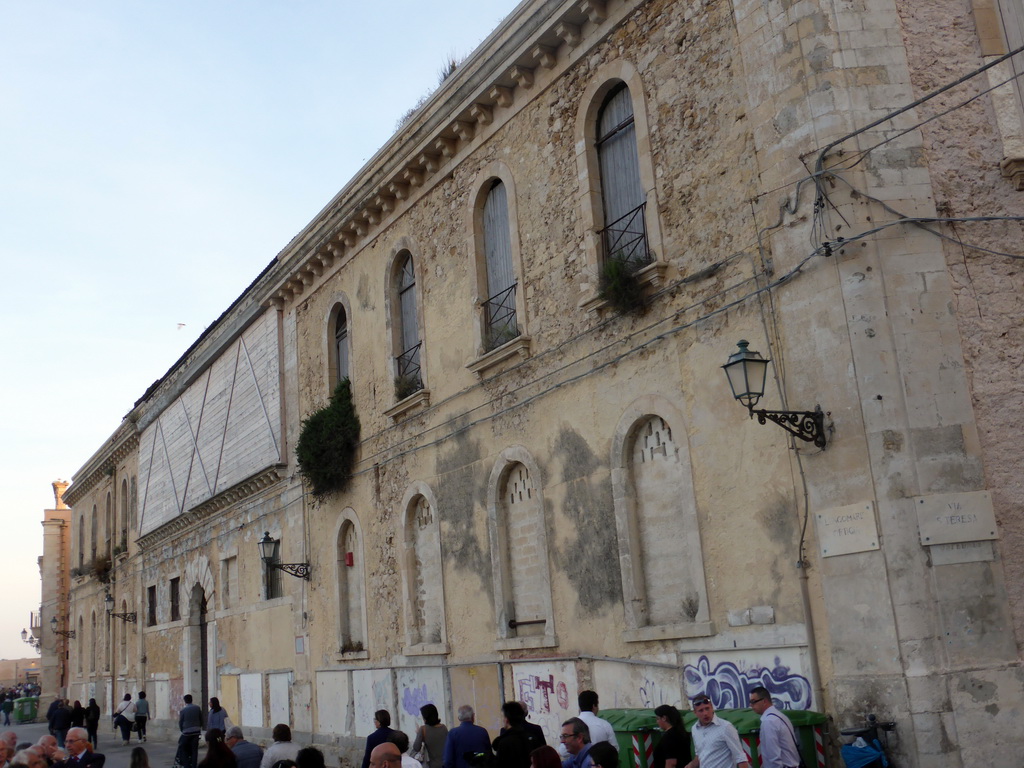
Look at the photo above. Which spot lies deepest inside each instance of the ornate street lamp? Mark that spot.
(746, 372)
(268, 551)
(63, 632)
(131, 617)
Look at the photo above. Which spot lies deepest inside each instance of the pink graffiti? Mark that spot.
(536, 692)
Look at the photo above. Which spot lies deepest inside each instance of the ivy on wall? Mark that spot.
(326, 450)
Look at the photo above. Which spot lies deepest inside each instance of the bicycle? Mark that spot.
(867, 750)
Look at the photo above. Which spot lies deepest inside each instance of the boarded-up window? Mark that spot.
(525, 556)
(350, 590)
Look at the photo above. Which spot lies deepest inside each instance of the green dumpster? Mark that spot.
(637, 732)
(25, 709)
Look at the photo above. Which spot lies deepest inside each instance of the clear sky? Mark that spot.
(155, 155)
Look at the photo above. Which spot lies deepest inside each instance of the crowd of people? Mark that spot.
(9, 695)
(585, 741)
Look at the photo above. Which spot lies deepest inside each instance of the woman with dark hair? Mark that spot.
(604, 755)
(546, 757)
(92, 721)
(139, 758)
(78, 715)
(218, 717)
(673, 751)
(218, 754)
(430, 737)
(309, 757)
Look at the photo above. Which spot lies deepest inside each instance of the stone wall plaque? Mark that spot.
(849, 529)
(951, 518)
(965, 552)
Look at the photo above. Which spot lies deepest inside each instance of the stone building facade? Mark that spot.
(554, 488)
(55, 577)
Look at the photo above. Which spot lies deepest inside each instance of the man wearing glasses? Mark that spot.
(778, 738)
(575, 738)
(715, 741)
(78, 756)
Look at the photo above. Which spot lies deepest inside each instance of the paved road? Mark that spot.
(160, 750)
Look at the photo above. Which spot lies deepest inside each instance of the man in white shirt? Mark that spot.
(600, 730)
(778, 737)
(715, 741)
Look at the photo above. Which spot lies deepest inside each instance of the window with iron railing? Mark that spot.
(625, 239)
(407, 372)
(500, 318)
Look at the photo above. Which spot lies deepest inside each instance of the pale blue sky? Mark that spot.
(154, 157)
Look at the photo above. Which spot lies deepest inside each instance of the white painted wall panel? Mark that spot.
(416, 687)
(224, 428)
(332, 702)
(373, 690)
(280, 702)
(250, 688)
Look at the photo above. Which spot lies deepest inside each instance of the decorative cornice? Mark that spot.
(482, 94)
(251, 486)
(95, 472)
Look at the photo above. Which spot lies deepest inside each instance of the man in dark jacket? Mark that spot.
(512, 747)
(190, 723)
(247, 754)
(382, 719)
(61, 722)
(467, 739)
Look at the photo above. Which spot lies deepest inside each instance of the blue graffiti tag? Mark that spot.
(729, 687)
(414, 698)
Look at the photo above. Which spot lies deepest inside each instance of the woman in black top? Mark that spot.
(673, 751)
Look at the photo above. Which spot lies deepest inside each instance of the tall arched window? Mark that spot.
(624, 236)
(93, 645)
(519, 553)
(341, 353)
(660, 554)
(408, 370)
(501, 324)
(81, 542)
(124, 513)
(109, 525)
(78, 647)
(95, 531)
(123, 645)
(422, 572)
(351, 633)
(134, 503)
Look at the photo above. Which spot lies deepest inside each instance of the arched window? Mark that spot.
(123, 646)
(341, 353)
(500, 322)
(660, 553)
(408, 369)
(624, 236)
(109, 525)
(124, 514)
(95, 531)
(422, 572)
(518, 535)
(81, 542)
(93, 649)
(135, 503)
(351, 629)
(78, 647)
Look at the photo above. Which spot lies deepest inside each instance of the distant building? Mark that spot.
(532, 288)
(54, 570)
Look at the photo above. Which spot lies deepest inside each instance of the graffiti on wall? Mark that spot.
(538, 693)
(415, 697)
(728, 685)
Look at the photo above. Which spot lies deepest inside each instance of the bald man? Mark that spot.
(385, 755)
(10, 738)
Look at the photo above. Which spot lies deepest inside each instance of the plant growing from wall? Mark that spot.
(326, 450)
(407, 384)
(101, 567)
(619, 285)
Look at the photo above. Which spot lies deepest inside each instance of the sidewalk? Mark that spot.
(160, 750)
